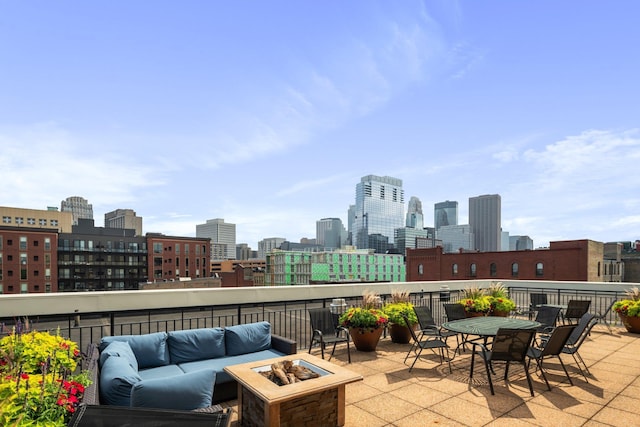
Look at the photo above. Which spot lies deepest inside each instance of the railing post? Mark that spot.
(112, 323)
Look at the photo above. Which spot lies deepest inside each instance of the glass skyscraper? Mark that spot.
(485, 221)
(379, 209)
(445, 213)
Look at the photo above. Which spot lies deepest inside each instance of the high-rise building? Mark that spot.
(267, 245)
(379, 209)
(445, 213)
(79, 208)
(455, 237)
(415, 218)
(485, 221)
(123, 218)
(520, 243)
(330, 233)
(222, 235)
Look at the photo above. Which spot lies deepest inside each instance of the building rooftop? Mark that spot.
(390, 395)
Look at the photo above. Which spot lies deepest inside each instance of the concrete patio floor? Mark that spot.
(390, 395)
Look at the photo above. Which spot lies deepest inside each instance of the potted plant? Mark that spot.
(475, 301)
(39, 384)
(399, 305)
(501, 304)
(628, 310)
(365, 323)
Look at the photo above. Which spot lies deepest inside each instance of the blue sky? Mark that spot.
(267, 114)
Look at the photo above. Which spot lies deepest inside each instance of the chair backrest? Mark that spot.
(548, 316)
(411, 331)
(511, 345)
(322, 320)
(576, 308)
(557, 340)
(583, 327)
(424, 315)
(454, 311)
(603, 314)
(538, 299)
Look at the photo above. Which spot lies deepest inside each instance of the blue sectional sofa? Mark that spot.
(179, 369)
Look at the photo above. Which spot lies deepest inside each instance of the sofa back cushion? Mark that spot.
(150, 349)
(181, 392)
(119, 349)
(117, 378)
(247, 338)
(196, 344)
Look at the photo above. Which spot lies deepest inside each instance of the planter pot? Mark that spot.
(365, 339)
(632, 323)
(475, 313)
(400, 334)
(498, 313)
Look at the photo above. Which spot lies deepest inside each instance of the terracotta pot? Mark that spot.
(632, 323)
(498, 313)
(400, 334)
(365, 339)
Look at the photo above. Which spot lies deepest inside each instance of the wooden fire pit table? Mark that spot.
(316, 401)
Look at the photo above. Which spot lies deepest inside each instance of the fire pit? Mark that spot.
(290, 371)
(264, 403)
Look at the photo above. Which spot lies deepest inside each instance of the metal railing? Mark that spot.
(288, 318)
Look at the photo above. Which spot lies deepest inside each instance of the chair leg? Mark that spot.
(544, 376)
(332, 350)
(576, 356)
(348, 350)
(487, 365)
(565, 370)
(526, 371)
(416, 359)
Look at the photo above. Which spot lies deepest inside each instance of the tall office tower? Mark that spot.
(445, 213)
(267, 245)
(220, 233)
(379, 209)
(330, 233)
(123, 218)
(485, 221)
(79, 208)
(351, 219)
(415, 218)
(520, 243)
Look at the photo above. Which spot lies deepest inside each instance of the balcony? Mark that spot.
(390, 395)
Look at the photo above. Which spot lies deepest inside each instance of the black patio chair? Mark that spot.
(118, 416)
(428, 324)
(577, 338)
(547, 316)
(454, 311)
(602, 315)
(509, 345)
(325, 331)
(426, 342)
(552, 348)
(535, 301)
(575, 309)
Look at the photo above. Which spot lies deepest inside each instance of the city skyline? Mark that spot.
(268, 118)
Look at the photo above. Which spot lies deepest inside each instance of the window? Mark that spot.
(42, 222)
(472, 270)
(23, 243)
(493, 269)
(6, 220)
(514, 269)
(420, 269)
(19, 220)
(54, 222)
(31, 221)
(454, 269)
(157, 248)
(539, 269)
(24, 288)
(47, 243)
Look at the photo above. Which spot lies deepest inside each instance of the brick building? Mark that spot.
(571, 260)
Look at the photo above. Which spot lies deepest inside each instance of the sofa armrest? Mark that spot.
(283, 344)
(90, 364)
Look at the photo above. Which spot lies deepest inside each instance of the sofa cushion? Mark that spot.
(117, 378)
(196, 344)
(160, 372)
(181, 392)
(218, 364)
(247, 338)
(150, 349)
(119, 349)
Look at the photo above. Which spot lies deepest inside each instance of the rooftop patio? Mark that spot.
(390, 395)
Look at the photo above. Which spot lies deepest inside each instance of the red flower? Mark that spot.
(24, 376)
